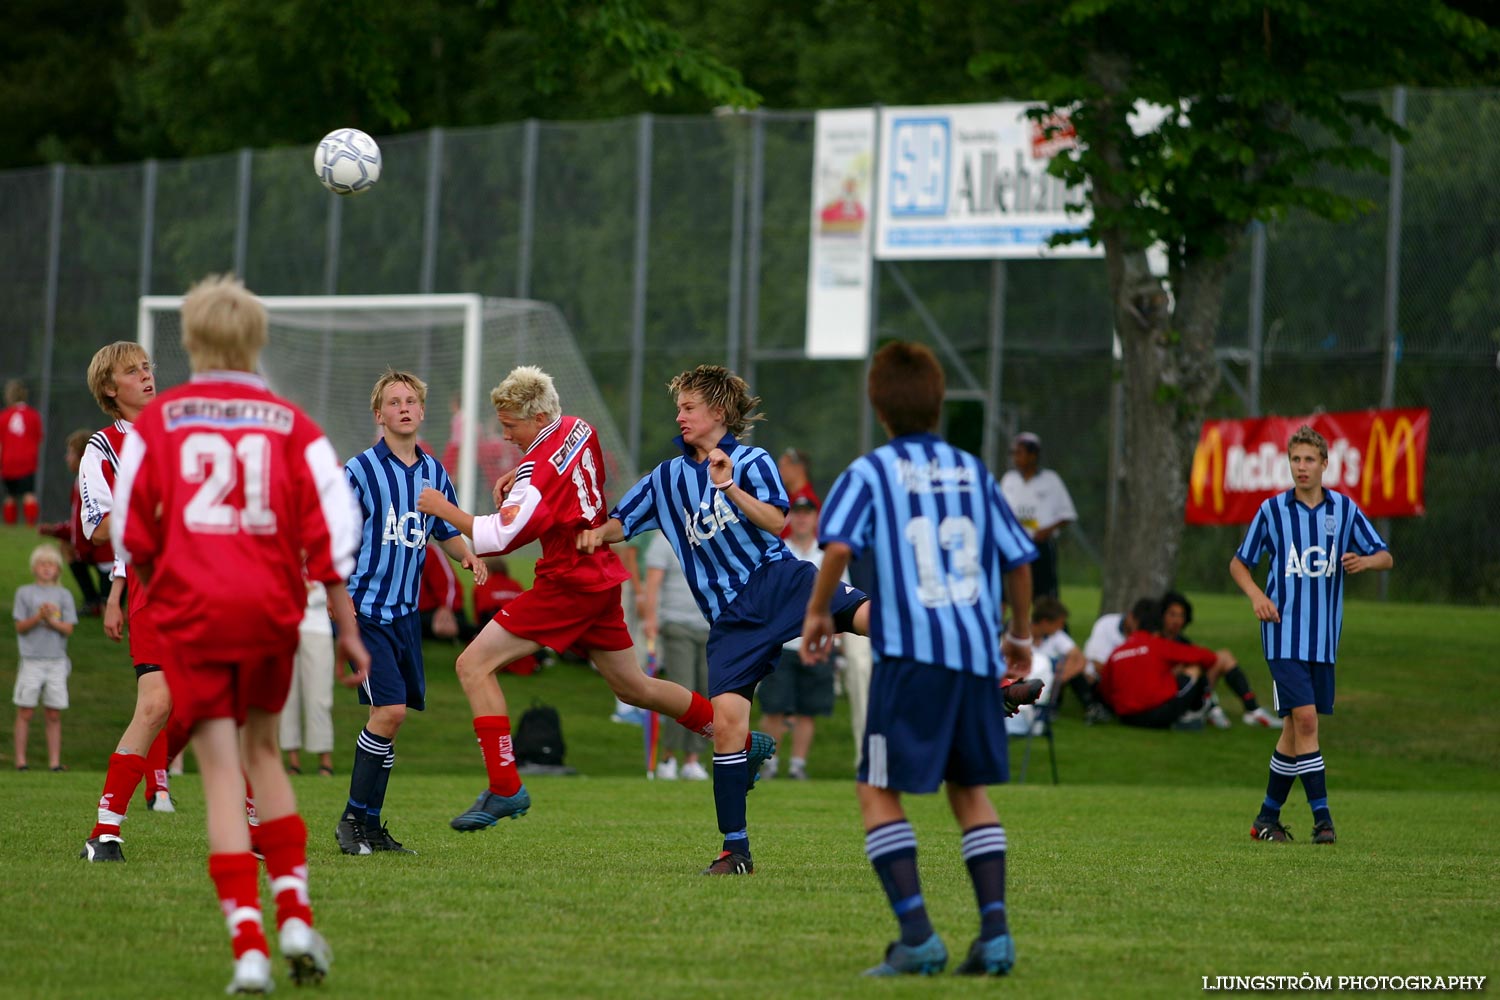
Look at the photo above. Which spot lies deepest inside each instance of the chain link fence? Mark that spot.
(673, 241)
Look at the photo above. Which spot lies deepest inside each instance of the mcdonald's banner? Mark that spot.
(1377, 457)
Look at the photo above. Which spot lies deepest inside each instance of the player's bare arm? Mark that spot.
(1264, 609)
(434, 503)
(1015, 645)
(763, 515)
(459, 551)
(351, 648)
(114, 610)
(1354, 563)
(502, 487)
(817, 622)
(608, 533)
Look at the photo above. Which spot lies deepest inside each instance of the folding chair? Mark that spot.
(1042, 714)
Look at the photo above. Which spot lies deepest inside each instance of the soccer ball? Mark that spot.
(347, 161)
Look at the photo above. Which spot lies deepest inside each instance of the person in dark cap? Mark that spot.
(1041, 502)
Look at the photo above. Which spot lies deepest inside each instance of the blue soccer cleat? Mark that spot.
(490, 809)
(762, 749)
(925, 959)
(994, 957)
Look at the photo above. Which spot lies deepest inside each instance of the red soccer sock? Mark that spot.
(237, 880)
(699, 718)
(156, 765)
(499, 758)
(178, 738)
(10, 510)
(284, 843)
(120, 781)
(32, 511)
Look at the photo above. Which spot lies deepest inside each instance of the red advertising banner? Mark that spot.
(1376, 457)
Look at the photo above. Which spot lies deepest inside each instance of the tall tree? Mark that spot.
(1255, 98)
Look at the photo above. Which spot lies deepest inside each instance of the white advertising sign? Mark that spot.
(970, 181)
(838, 272)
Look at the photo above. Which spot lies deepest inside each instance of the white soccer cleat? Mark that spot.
(307, 954)
(162, 802)
(1217, 718)
(252, 974)
(1260, 717)
(694, 772)
(667, 770)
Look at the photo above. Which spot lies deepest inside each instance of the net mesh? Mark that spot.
(326, 359)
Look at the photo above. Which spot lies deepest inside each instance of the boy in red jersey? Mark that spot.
(20, 447)
(225, 490)
(122, 379)
(558, 490)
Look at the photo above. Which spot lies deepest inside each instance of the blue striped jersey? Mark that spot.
(715, 542)
(393, 542)
(1306, 578)
(942, 538)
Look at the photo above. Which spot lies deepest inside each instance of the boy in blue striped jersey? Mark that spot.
(1314, 537)
(946, 551)
(722, 505)
(387, 479)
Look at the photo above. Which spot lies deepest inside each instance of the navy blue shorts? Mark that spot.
(396, 675)
(927, 724)
(744, 643)
(1297, 683)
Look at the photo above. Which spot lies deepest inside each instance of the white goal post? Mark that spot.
(326, 351)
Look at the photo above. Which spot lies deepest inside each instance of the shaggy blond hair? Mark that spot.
(390, 378)
(223, 325)
(723, 390)
(526, 392)
(1306, 435)
(121, 354)
(46, 553)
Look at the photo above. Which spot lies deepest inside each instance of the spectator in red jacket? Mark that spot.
(1154, 682)
(20, 446)
(440, 600)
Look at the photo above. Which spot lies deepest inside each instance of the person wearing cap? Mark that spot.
(1041, 502)
(795, 693)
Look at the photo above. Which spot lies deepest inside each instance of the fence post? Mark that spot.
(1391, 313)
(1257, 331)
(993, 392)
(431, 210)
(148, 225)
(736, 250)
(866, 410)
(49, 315)
(528, 208)
(638, 293)
(242, 218)
(752, 249)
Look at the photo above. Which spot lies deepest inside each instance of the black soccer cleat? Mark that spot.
(350, 834)
(105, 847)
(1323, 833)
(1022, 692)
(730, 864)
(380, 839)
(1269, 829)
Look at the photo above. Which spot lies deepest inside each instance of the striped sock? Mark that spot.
(284, 843)
(731, 783)
(1315, 784)
(237, 881)
(1283, 775)
(369, 762)
(376, 801)
(892, 850)
(984, 854)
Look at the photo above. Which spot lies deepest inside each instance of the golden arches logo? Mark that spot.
(1208, 461)
(1389, 449)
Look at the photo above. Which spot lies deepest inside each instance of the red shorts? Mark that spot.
(148, 646)
(564, 619)
(204, 688)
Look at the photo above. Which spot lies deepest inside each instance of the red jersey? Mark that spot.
(439, 587)
(79, 535)
(222, 490)
(558, 492)
(20, 441)
(1138, 675)
(97, 470)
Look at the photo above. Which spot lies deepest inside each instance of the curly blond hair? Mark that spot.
(527, 392)
(722, 390)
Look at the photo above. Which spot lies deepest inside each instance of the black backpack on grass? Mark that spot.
(538, 738)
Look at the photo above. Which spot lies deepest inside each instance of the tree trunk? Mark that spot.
(1168, 376)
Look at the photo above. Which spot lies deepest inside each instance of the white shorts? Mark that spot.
(46, 680)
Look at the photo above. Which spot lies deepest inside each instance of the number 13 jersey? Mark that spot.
(558, 492)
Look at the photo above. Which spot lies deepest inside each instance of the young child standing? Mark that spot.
(45, 616)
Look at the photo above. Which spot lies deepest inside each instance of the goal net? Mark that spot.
(326, 352)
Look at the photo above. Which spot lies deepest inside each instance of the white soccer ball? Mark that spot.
(347, 161)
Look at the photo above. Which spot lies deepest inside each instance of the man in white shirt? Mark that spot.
(1041, 503)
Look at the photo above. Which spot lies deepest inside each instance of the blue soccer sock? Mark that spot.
(984, 854)
(376, 801)
(892, 850)
(731, 783)
(1315, 784)
(1283, 776)
(369, 763)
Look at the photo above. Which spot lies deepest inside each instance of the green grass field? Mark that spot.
(1134, 877)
